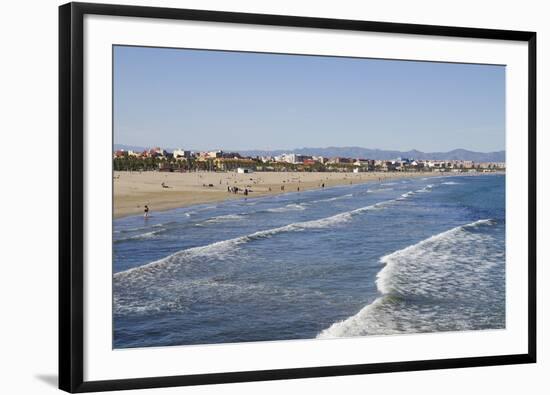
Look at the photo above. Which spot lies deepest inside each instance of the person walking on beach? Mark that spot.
(146, 211)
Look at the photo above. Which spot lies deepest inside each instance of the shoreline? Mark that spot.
(167, 191)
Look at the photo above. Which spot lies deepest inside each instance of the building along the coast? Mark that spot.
(180, 154)
(186, 160)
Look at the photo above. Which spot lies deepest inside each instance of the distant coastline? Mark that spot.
(183, 160)
(165, 180)
(356, 152)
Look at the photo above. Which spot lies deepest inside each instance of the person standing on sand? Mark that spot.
(146, 211)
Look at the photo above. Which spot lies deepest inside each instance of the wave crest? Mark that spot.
(429, 286)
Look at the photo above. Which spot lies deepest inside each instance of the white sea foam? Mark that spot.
(162, 278)
(288, 207)
(141, 236)
(130, 230)
(220, 248)
(380, 190)
(436, 250)
(334, 198)
(450, 183)
(143, 228)
(427, 188)
(163, 225)
(225, 218)
(430, 286)
(179, 294)
(157, 277)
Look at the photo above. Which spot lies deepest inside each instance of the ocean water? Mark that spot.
(406, 256)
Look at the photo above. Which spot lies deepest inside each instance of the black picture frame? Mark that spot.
(71, 172)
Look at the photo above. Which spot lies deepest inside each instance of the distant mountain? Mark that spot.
(359, 152)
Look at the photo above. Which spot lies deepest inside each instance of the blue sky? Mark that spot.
(202, 100)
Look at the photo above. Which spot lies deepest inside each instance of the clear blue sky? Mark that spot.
(202, 100)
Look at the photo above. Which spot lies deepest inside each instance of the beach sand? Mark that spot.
(134, 190)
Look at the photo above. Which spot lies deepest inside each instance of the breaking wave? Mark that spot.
(225, 245)
(333, 198)
(225, 218)
(158, 276)
(443, 283)
(427, 188)
(141, 236)
(288, 207)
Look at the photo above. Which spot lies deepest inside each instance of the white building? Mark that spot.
(181, 154)
(288, 158)
(266, 159)
(291, 158)
(215, 154)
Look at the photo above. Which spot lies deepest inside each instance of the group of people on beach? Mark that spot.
(236, 190)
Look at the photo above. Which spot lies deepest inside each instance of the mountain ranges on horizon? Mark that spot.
(360, 152)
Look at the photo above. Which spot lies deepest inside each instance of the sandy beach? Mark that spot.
(134, 190)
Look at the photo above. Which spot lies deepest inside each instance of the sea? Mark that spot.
(381, 258)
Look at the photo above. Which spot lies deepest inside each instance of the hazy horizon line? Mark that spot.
(301, 148)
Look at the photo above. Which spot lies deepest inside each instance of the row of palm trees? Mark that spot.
(131, 163)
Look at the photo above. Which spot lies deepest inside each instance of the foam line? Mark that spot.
(449, 266)
(223, 246)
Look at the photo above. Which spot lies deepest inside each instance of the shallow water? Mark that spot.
(418, 255)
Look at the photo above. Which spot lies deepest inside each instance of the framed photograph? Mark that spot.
(251, 197)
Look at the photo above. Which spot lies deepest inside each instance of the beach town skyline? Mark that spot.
(335, 150)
